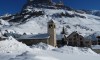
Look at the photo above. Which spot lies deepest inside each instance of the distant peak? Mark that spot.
(40, 1)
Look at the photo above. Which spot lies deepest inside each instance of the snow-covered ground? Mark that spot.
(84, 26)
(11, 49)
(95, 46)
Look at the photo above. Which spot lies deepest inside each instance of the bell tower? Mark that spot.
(52, 33)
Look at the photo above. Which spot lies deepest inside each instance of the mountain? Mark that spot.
(93, 12)
(34, 17)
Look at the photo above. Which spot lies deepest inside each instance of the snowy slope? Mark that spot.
(31, 23)
(3, 23)
(35, 25)
(93, 12)
(11, 49)
(34, 17)
(12, 46)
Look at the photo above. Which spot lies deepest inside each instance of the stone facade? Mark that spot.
(98, 41)
(52, 33)
(74, 39)
(48, 38)
(88, 43)
(30, 42)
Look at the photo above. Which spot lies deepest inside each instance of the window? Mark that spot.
(50, 26)
(80, 38)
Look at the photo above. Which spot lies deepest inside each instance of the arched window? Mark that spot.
(50, 26)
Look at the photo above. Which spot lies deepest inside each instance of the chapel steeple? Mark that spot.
(52, 33)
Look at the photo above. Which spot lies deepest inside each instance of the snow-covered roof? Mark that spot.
(38, 36)
(51, 21)
(15, 35)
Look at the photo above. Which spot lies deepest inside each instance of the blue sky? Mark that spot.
(11, 6)
(83, 4)
(14, 6)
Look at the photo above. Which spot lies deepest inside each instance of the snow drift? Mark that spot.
(43, 46)
(75, 50)
(13, 46)
(11, 49)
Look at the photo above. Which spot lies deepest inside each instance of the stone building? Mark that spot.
(52, 33)
(48, 38)
(34, 39)
(74, 39)
(88, 43)
(51, 38)
(98, 41)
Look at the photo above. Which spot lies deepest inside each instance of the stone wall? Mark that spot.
(30, 42)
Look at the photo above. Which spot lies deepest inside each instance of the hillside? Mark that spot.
(34, 17)
(33, 20)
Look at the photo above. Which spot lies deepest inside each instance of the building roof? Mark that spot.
(73, 33)
(12, 34)
(38, 36)
(51, 21)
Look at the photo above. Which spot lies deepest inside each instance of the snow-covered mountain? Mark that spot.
(34, 17)
(33, 20)
(93, 12)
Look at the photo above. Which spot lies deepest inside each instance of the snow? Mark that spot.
(43, 46)
(36, 25)
(12, 46)
(93, 36)
(6, 15)
(29, 27)
(95, 46)
(37, 36)
(11, 49)
(75, 50)
(3, 23)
